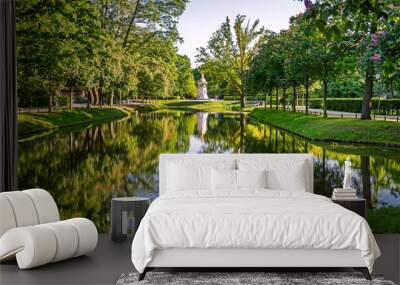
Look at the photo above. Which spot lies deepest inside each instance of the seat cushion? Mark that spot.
(32, 246)
(40, 244)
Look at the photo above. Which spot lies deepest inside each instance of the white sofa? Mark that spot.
(31, 231)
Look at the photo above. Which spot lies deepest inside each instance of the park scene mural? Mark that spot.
(106, 86)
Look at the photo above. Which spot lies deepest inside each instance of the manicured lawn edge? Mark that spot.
(332, 129)
(195, 106)
(29, 123)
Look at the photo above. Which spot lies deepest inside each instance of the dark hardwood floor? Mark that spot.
(110, 260)
(103, 266)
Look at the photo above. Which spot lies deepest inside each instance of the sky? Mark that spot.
(203, 17)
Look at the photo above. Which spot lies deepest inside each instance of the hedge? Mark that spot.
(382, 106)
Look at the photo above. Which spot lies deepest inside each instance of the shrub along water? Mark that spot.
(36, 122)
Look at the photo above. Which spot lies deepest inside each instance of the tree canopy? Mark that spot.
(99, 48)
(335, 48)
(230, 51)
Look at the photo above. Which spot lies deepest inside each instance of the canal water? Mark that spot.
(85, 166)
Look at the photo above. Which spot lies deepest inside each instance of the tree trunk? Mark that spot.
(111, 98)
(307, 97)
(277, 98)
(391, 87)
(242, 99)
(294, 98)
(270, 99)
(71, 98)
(266, 99)
(131, 23)
(369, 86)
(91, 97)
(325, 84)
(284, 98)
(96, 96)
(85, 93)
(50, 103)
(100, 91)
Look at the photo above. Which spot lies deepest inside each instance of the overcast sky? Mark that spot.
(202, 17)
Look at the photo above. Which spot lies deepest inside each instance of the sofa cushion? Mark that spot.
(41, 244)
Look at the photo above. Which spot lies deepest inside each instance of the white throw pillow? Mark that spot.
(186, 178)
(283, 174)
(251, 178)
(223, 179)
(291, 179)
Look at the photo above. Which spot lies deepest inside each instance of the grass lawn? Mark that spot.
(384, 220)
(196, 106)
(332, 129)
(34, 122)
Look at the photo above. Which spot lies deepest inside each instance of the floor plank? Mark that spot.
(110, 260)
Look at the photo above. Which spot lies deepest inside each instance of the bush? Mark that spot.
(382, 106)
(36, 100)
(62, 100)
(315, 103)
(345, 104)
(386, 106)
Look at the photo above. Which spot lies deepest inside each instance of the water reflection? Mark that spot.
(83, 169)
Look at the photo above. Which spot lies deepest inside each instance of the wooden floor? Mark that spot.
(110, 260)
(103, 266)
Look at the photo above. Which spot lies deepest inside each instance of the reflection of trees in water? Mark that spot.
(366, 180)
(328, 173)
(223, 134)
(84, 169)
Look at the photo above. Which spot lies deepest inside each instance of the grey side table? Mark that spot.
(357, 205)
(126, 214)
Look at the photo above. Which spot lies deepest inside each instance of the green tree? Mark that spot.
(364, 21)
(96, 47)
(185, 85)
(231, 50)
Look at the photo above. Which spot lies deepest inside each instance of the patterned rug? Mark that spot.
(244, 278)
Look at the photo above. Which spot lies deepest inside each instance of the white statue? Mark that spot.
(202, 88)
(347, 174)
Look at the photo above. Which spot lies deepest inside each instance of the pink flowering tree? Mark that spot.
(365, 23)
